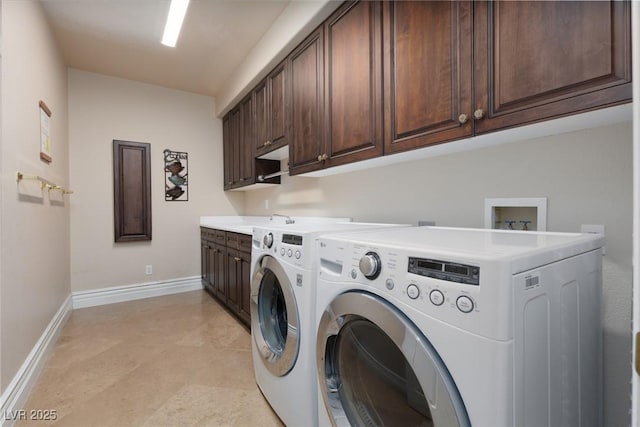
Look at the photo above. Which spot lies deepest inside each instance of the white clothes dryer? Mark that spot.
(283, 276)
(430, 326)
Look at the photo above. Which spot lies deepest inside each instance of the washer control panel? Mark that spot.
(444, 270)
(287, 246)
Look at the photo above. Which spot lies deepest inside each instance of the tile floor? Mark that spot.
(177, 360)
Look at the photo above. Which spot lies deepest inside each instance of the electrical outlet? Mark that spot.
(266, 203)
(148, 269)
(594, 229)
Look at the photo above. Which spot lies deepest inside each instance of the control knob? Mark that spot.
(370, 265)
(268, 240)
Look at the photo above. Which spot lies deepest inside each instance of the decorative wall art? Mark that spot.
(45, 132)
(176, 170)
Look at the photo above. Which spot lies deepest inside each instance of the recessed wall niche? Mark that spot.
(516, 214)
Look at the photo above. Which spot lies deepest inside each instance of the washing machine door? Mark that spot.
(274, 317)
(375, 368)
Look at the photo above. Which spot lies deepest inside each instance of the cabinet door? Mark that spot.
(204, 263)
(428, 77)
(537, 60)
(227, 151)
(233, 265)
(272, 120)
(234, 137)
(244, 287)
(260, 96)
(353, 83)
(218, 274)
(247, 159)
(278, 103)
(306, 104)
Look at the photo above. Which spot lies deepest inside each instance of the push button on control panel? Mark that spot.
(289, 253)
(436, 297)
(413, 291)
(282, 251)
(389, 284)
(298, 254)
(464, 304)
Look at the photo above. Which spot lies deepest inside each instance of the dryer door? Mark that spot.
(375, 368)
(274, 317)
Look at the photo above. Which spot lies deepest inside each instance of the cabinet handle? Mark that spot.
(237, 258)
(268, 143)
(462, 118)
(320, 158)
(478, 114)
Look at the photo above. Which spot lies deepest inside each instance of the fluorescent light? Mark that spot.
(177, 10)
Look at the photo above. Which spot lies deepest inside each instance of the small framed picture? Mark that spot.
(176, 182)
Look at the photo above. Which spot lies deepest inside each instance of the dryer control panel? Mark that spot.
(441, 285)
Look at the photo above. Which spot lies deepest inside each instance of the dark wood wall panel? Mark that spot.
(132, 191)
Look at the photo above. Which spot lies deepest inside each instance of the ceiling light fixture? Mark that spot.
(177, 10)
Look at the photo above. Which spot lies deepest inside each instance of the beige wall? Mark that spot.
(102, 109)
(586, 176)
(34, 249)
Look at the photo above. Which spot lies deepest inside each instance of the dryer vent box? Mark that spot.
(516, 214)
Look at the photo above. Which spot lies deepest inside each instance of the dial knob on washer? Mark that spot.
(268, 240)
(370, 265)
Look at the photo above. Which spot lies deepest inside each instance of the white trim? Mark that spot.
(15, 395)
(112, 295)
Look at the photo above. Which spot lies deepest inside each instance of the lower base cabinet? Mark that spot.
(226, 269)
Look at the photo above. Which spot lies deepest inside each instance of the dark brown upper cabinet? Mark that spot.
(383, 77)
(353, 83)
(526, 62)
(307, 98)
(227, 152)
(271, 111)
(246, 162)
(132, 191)
(427, 72)
(350, 73)
(536, 60)
(241, 168)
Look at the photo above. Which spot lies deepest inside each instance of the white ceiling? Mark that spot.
(121, 38)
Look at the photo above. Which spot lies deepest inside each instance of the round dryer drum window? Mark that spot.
(274, 317)
(378, 386)
(377, 369)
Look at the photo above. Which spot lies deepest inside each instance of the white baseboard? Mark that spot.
(104, 296)
(15, 395)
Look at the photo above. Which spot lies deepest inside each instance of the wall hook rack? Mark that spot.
(44, 183)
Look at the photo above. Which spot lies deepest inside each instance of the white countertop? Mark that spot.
(245, 224)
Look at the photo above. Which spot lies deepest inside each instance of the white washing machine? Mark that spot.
(429, 326)
(283, 276)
